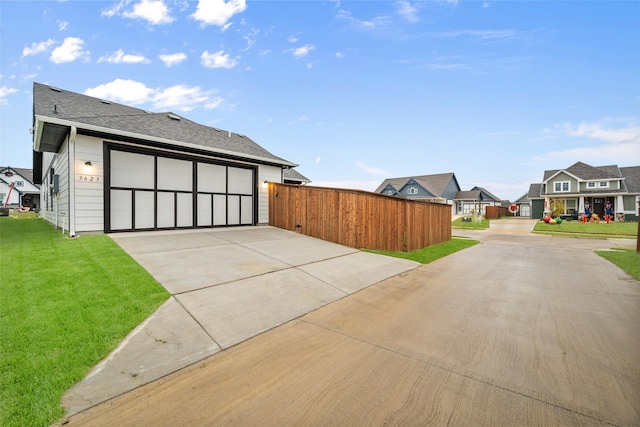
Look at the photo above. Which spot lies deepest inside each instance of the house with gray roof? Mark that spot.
(17, 189)
(440, 188)
(475, 200)
(292, 176)
(582, 186)
(110, 167)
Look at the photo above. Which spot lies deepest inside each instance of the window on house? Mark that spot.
(562, 186)
(412, 190)
(603, 184)
(591, 185)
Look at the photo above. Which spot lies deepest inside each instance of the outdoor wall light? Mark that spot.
(88, 164)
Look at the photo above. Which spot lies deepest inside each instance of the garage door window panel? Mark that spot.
(240, 181)
(144, 210)
(184, 210)
(132, 170)
(212, 178)
(166, 210)
(219, 209)
(174, 174)
(205, 210)
(121, 208)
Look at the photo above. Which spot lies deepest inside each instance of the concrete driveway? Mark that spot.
(518, 330)
(227, 285)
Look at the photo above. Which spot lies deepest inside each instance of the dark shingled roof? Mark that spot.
(468, 195)
(26, 173)
(58, 104)
(535, 191)
(435, 184)
(294, 175)
(587, 172)
(632, 178)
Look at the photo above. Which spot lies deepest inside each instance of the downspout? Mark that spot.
(72, 181)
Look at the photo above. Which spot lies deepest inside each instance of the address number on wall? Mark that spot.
(87, 178)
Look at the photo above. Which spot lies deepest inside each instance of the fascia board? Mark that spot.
(149, 138)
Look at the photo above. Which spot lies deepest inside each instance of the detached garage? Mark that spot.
(109, 167)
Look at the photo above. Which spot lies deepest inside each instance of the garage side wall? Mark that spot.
(269, 174)
(89, 184)
(55, 206)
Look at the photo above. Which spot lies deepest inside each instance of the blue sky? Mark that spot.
(353, 91)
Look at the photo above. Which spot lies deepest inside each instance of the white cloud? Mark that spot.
(372, 170)
(119, 57)
(217, 60)
(178, 97)
(217, 12)
(153, 11)
(407, 11)
(125, 91)
(62, 25)
(292, 39)
(71, 49)
(4, 92)
(214, 103)
(172, 59)
(364, 25)
(36, 48)
(618, 140)
(340, 55)
(596, 131)
(302, 51)
(481, 34)
(317, 162)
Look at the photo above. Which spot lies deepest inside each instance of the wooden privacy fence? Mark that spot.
(495, 212)
(359, 219)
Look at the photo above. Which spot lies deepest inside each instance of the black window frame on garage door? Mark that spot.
(187, 203)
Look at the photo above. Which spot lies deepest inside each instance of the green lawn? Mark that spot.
(431, 253)
(627, 260)
(473, 225)
(614, 229)
(66, 303)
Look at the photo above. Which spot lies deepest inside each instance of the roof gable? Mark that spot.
(436, 184)
(584, 172)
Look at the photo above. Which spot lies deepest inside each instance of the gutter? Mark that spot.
(40, 120)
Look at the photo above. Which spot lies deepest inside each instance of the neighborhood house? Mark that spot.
(583, 189)
(109, 167)
(440, 188)
(17, 189)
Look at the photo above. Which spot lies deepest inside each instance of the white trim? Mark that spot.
(40, 120)
(72, 181)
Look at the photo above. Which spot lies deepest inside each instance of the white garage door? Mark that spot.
(149, 191)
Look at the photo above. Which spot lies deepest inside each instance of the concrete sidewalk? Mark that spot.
(227, 286)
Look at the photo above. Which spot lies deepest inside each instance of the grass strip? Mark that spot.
(66, 303)
(627, 259)
(471, 225)
(602, 229)
(431, 253)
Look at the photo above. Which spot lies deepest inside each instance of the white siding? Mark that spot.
(269, 174)
(89, 184)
